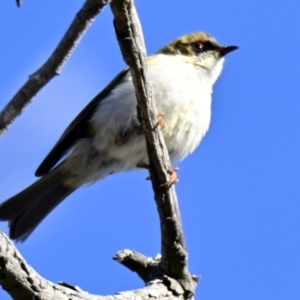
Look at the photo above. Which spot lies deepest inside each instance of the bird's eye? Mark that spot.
(198, 47)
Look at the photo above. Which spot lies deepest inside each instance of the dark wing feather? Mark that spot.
(76, 130)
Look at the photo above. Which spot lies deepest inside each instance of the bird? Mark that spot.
(107, 137)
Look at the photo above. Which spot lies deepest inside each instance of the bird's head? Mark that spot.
(200, 49)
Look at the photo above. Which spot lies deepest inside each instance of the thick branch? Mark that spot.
(174, 254)
(53, 65)
(19, 279)
(22, 282)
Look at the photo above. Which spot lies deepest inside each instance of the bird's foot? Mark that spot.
(143, 165)
(160, 121)
(173, 178)
(122, 138)
(173, 175)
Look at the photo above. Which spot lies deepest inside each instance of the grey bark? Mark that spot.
(165, 276)
(173, 249)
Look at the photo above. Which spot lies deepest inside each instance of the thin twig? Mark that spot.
(130, 37)
(53, 65)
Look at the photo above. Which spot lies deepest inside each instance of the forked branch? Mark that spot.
(173, 249)
(166, 276)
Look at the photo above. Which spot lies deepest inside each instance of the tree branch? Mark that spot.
(53, 65)
(146, 267)
(19, 279)
(130, 38)
(22, 282)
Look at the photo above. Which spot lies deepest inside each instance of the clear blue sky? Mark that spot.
(239, 192)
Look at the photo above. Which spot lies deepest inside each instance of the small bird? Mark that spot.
(106, 137)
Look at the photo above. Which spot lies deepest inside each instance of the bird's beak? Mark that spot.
(227, 49)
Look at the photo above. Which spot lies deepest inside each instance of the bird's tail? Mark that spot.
(27, 209)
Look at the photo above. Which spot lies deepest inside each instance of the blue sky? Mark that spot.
(238, 193)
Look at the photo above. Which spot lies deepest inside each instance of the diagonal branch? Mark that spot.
(53, 65)
(174, 254)
(19, 279)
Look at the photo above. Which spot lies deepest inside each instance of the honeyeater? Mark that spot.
(106, 137)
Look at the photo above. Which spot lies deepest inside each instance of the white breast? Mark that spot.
(182, 93)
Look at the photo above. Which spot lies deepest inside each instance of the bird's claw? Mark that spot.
(173, 178)
(122, 138)
(160, 121)
(173, 175)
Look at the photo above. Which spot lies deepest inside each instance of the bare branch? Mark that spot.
(174, 254)
(19, 279)
(146, 267)
(53, 65)
(22, 282)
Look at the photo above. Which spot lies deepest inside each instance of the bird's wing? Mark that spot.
(79, 128)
